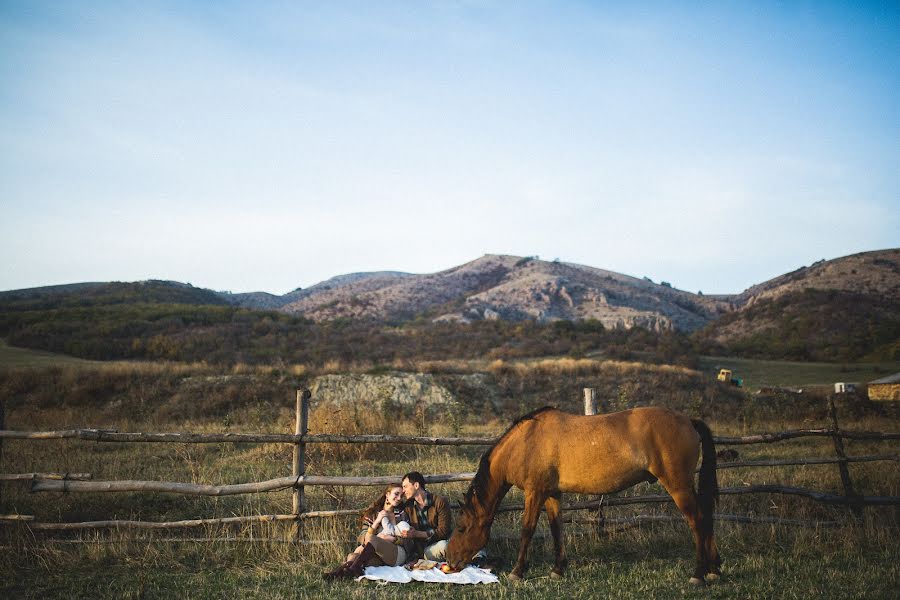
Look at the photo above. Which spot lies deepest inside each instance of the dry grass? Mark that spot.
(580, 366)
(457, 366)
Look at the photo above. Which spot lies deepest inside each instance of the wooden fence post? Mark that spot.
(590, 408)
(299, 469)
(2, 426)
(590, 401)
(842, 457)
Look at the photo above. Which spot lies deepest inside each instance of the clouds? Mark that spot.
(250, 147)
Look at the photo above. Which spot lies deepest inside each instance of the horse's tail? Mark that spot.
(708, 486)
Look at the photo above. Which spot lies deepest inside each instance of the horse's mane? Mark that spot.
(480, 481)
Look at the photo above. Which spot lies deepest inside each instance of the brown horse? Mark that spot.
(548, 452)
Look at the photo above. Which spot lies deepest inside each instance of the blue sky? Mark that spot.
(271, 145)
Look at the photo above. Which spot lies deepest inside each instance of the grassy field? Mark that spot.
(763, 373)
(15, 358)
(653, 560)
(755, 373)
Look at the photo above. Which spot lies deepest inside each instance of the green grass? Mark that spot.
(649, 562)
(762, 373)
(14, 358)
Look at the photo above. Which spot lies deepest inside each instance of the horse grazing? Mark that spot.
(547, 452)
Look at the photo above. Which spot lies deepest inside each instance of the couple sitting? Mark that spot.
(405, 523)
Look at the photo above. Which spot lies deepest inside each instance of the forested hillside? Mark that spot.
(102, 294)
(230, 335)
(817, 325)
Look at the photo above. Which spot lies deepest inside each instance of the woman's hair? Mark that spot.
(373, 509)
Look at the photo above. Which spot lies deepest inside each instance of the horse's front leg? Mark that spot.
(560, 563)
(533, 503)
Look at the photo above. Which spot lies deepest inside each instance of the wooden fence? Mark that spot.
(81, 482)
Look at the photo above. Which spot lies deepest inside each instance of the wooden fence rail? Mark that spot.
(281, 483)
(630, 520)
(36, 476)
(805, 461)
(110, 435)
(270, 485)
(767, 438)
(822, 497)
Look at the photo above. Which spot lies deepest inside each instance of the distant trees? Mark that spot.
(111, 324)
(821, 325)
(230, 335)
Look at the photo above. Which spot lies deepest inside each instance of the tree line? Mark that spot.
(156, 320)
(231, 335)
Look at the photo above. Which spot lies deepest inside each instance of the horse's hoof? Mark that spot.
(696, 581)
(555, 575)
(513, 577)
(712, 576)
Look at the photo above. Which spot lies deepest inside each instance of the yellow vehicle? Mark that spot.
(725, 375)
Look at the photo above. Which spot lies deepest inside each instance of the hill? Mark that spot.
(512, 288)
(872, 273)
(354, 281)
(842, 309)
(106, 294)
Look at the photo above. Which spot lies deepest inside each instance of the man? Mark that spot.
(429, 515)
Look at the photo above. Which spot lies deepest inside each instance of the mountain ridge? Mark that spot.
(514, 288)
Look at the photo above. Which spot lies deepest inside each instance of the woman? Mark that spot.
(381, 543)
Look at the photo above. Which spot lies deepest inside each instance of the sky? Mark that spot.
(266, 146)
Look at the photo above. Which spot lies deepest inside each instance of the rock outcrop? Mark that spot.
(404, 390)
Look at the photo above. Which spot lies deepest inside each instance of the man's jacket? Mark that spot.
(435, 520)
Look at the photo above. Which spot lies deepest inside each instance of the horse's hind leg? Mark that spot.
(686, 500)
(713, 560)
(533, 503)
(552, 507)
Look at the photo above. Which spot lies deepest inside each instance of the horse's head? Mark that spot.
(471, 533)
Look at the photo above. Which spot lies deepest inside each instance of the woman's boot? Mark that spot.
(358, 565)
(337, 573)
(352, 568)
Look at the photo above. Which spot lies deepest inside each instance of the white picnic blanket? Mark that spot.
(403, 575)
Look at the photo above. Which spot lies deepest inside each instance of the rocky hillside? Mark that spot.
(514, 288)
(352, 281)
(872, 273)
(840, 309)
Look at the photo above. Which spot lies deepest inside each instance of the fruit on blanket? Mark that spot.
(446, 568)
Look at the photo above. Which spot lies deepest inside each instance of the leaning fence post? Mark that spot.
(300, 428)
(590, 401)
(842, 458)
